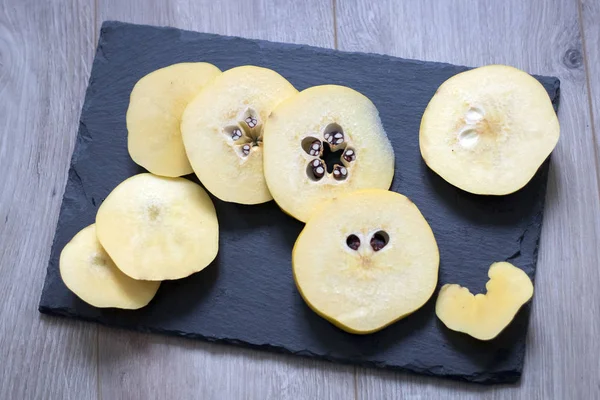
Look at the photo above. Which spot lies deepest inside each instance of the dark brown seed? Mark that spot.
(315, 148)
(339, 172)
(379, 241)
(349, 155)
(318, 168)
(334, 138)
(353, 242)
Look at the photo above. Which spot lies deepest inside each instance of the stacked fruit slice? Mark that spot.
(149, 229)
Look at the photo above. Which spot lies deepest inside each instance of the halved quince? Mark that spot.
(488, 130)
(158, 228)
(223, 132)
(88, 271)
(484, 316)
(154, 115)
(365, 260)
(321, 143)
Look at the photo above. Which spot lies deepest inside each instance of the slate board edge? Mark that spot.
(269, 43)
(485, 378)
(500, 377)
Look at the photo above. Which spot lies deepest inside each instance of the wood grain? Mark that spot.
(45, 53)
(540, 37)
(149, 366)
(590, 26)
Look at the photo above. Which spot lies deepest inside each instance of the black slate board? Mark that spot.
(248, 296)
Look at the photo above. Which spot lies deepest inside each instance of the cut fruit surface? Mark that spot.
(366, 260)
(88, 271)
(488, 130)
(223, 132)
(158, 228)
(484, 316)
(325, 141)
(154, 115)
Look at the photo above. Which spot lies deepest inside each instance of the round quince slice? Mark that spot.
(365, 260)
(488, 130)
(321, 143)
(223, 132)
(158, 228)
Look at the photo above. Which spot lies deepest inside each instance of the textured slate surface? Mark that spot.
(248, 296)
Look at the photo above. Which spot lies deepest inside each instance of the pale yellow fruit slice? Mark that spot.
(154, 115)
(484, 316)
(325, 141)
(223, 132)
(488, 130)
(158, 228)
(90, 273)
(366, 260)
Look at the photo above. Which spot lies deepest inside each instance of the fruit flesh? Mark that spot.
(363, 290)
(227, 169)
(367, 160)
(488, 130)
(88, 271)
(158, 228)
(154, 115)
(484, 316)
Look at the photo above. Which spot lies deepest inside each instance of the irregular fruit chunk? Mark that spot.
(158, 228)
(484, 316)
(488, 130)
(154, 115)
(90, 273)
(366, 260)
(223, 132)
(324, 142)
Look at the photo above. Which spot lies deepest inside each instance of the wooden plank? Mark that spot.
(541, 37)
(590, 24)
(150, 366)
(45, 55)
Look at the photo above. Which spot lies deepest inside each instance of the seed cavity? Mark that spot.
(340, 172)
(234, 132)
(353, 242)
(312, 146)
(316, 169)
(334, 134)
(379, 240)
(468, 137)
(349, 155)
(246, 149)
(473, 115)
(251, 122)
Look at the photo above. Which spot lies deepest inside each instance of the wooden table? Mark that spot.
(46, 51)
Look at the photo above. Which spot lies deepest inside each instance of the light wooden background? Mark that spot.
(46, 51)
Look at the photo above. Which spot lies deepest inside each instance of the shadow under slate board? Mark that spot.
(247, 296)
